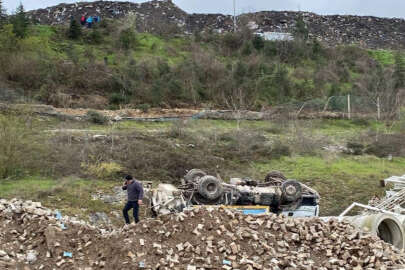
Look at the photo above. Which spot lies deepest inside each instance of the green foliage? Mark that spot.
(20, 149)
(75, 30)
(232, 41)
(20, 22)
(217, 71)
(258, 42)
(8, 40)
(301, 30)
(118, 99)
(2, 14)
(103, 170)
(96, 118)
(355, 148)
(95, 36)
(128, 39)
(247, 49)
(399, 73)
(384, 57)
(144, 107)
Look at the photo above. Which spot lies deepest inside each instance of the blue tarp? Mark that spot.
(254, 211)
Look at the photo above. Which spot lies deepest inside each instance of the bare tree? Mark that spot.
(381, 86)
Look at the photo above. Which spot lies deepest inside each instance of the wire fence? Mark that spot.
(348, 106)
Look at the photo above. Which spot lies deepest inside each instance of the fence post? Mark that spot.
(349, 109)
(378, 109)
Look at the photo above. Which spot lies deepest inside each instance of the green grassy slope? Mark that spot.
(203, 70)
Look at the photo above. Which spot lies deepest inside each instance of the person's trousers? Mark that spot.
(128, 207)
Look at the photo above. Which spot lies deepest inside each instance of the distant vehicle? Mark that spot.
(276, 194)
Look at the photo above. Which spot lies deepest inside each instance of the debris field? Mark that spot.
(34, 237)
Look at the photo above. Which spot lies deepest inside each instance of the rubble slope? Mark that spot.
(32, 237)
(160, 15)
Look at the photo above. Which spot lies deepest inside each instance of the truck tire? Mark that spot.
(210, 187)
(193, 175)
(291, 190)
(274, 175)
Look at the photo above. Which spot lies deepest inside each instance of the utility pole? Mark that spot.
(234, 15)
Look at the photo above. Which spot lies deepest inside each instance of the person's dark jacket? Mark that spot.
(134, 190)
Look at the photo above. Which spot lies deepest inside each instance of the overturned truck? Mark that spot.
(276, 193)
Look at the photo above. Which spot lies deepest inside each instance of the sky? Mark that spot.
(379, 8)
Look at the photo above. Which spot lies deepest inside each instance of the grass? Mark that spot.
(385, 57)
(340, 180)
(70, 195)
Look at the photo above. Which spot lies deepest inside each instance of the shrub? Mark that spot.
(127, 39)
(247, 49)
(95, 36)
(103, 170)
(20, 149)
(232, 41)
(280, 150)
(355, 148)
(118, 98)
(387, 144)
(144, 107)
(75, 30)
(96, 117)
(20, 22)
(258, 42)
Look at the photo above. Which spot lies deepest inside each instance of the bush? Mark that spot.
(95, 36)
(232, 41)
(118, 99)
(20, 149)
(144, 107)
(75, 30)
(355, 148)
(387, 144)
(96, 117)
(103, 170)
(127, 39)
(280, 150)
(258, 42)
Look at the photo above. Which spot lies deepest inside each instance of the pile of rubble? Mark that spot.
(163, 16)
(33, 237)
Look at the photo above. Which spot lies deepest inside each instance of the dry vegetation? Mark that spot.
(311, 151)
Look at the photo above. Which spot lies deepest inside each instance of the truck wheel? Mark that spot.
(193, 175)
(210, 187)
(197, 199)
(274, 175)
(291, 190)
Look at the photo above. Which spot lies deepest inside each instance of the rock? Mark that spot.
(99, 218)
(31, 256)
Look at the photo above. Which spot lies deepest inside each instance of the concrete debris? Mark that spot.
(31, 238)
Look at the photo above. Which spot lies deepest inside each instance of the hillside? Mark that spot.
(111, 65)
(161, 15)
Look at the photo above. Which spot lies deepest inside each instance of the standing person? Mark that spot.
(83, 20)
(135, 196)
(89, 21)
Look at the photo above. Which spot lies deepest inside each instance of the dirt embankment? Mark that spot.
(31, 237)
(158, 114)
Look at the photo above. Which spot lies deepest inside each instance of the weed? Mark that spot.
(96, 118)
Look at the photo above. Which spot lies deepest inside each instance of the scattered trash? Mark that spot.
(226, 262)
(67, 254)
(58, 215)
(32, 256)
(141, 265)
(63, 226)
